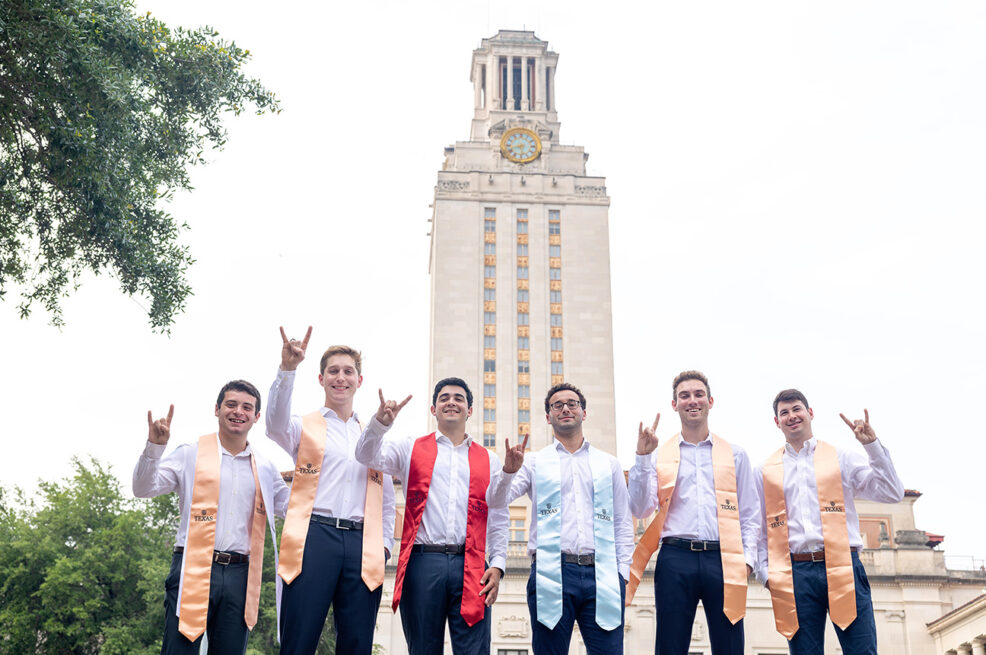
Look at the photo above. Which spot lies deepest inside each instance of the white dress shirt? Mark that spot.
(341, 490)
(871, 478)
(155, 475)
(444, 518)
(692, 513)
(577, 532)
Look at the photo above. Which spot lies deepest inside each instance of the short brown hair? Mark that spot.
(563, 386)
(787, 396)
(689, 375)
(342, 350)
(238, 385)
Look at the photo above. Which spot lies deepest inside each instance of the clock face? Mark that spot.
(520, 145)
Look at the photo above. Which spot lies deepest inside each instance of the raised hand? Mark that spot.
(646, 437)
(513, 458)
(389, 409)
(862, 429)
(160, 430)
(293, 351)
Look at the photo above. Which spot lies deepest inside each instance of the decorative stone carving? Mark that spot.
(514, 626)
(911, 539)
(699, 631)
(452, 185)
(590, 190)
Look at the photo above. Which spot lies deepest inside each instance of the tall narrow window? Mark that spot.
(489, 327)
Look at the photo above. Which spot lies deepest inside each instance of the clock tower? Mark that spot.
(520, 280)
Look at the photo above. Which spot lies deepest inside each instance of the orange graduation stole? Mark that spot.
(727, 511)
(194, 609)
(423, 455)
(835, 532)
(308, 466)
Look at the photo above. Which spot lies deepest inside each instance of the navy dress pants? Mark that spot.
(811, 599)
(331, 574)
(681, 579)
(432, 596)
(578, 603)
(225, 624)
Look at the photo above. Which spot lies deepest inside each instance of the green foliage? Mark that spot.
(101, 114)
(82, 569)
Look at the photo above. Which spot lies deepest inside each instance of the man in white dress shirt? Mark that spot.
(581, 553)
(441, 574)
(238, 409)
(332, 567)
(689, 564)
(817, 568)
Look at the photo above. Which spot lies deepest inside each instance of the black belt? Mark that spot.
(446, 549)
(588, 559)
(696, 545)
(221, 557)
(816, 556)
(342, 524)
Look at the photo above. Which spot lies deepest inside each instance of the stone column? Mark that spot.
(491, 74)
(539, 84)
(510, 82)
(964, 649)
(525, 101)
(978, 647)
(477, 85)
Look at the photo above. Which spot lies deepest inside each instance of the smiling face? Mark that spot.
(237, 413)
(340, 379)
(565, 420)
(692, 402)
(451, 408)
(794, 419)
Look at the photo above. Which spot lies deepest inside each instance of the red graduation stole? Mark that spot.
(423, 456)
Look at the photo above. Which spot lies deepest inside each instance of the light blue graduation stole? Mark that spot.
(609, 610)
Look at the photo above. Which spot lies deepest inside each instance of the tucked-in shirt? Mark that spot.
(156, 474)
(341, 490)
(692, 513)
(870, 477)
(577, 533)
(444, 518)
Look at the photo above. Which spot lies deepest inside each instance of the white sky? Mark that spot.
(797, 200)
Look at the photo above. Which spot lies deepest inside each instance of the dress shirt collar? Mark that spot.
(560, 447)
(810, 445)
(703, 442)
(465, 442)
(246, 452)
(326, 413)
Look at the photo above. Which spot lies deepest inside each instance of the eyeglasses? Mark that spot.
(558, 405)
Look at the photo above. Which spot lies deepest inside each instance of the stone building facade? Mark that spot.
(520, 299)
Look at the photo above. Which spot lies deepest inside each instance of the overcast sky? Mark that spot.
(797, 200)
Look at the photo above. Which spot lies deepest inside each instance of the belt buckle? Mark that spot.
(586, 559)
(340, 526)
(451, 549)
(691, 546)
(821, 555)
(222, 558)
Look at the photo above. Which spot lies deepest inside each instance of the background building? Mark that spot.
(520, 300)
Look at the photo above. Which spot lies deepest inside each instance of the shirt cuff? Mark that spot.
(624, 570)
(376, 428)
(642, 460)
(875, 450)
(154, 450)
(285, 375)
(499, 562)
